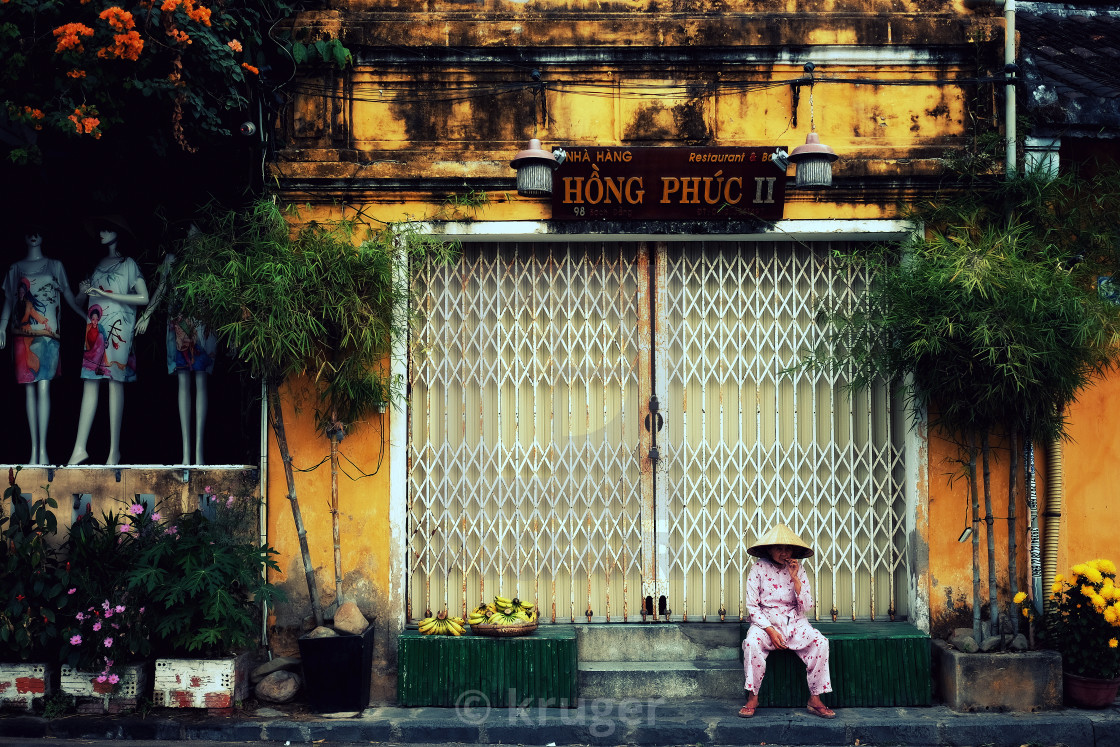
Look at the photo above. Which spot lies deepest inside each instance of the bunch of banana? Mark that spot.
(480, 614)
(506, 611)
(441, 624)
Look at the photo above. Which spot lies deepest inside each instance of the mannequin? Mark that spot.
(113, 291)
(191, 350)
(32, 289)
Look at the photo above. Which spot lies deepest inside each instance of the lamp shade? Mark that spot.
(814, 163)
(534, 168)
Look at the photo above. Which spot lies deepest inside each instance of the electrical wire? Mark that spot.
(450, 92)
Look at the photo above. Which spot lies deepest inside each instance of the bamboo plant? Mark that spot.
(313, 301)
(993, 320)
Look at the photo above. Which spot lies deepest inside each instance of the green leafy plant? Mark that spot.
(112, 626)
(318, 301)
(58, 704)
(992, 318)
(34, 581)
(204, 581)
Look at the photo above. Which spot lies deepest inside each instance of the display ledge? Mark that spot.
(101, 488)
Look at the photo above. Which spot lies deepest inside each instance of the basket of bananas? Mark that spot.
(441, 624)
(503, 617)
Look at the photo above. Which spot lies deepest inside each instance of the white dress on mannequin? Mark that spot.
(114, 290)
(191, 351)
(33, 288)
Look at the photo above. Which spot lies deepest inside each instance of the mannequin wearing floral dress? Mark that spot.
(191, 351)
(113, 291)
(33, 288)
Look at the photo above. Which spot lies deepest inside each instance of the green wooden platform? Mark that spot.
(539, 669)
(872, 664)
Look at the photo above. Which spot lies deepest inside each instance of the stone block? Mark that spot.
(998, 681)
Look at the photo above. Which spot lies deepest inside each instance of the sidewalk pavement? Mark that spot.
(595, 722)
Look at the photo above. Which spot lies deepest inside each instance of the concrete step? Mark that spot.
(670, 660)
(688, 642)
(722, 679)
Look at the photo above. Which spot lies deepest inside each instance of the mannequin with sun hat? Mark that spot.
(113, 291)
(778, 596)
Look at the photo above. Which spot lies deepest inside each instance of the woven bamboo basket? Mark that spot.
(504, 631)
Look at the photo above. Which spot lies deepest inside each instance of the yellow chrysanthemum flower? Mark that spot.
(1026, 612)
(1079, 570)
(1020, 597)
(1110, 614)
(1059, 578)
(1094, 575)
(1113, 643)
(1088, 591)
(1099, 603)
(1093, 564)
(1057, 587)
(1106, 566)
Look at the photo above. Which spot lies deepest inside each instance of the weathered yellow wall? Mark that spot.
(1090, 461)
(363, 520)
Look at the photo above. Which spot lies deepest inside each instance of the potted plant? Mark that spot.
(106, 645)
(314, 304)
(36, 593)
(1082, 622)
(205, 584)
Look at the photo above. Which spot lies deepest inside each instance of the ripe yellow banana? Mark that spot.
(426, 625)
(502, 602)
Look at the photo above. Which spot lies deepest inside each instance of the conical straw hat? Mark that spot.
(780, 534)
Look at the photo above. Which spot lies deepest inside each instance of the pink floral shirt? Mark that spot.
(770, 597)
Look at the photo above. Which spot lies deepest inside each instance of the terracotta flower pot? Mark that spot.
(1089, 692)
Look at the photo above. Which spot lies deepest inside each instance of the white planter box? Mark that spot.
(21, 683)
(217, 684)
(101, 697)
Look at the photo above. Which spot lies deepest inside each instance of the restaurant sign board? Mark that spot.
(613, 183)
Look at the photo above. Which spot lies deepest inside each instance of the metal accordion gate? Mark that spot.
(604, 428)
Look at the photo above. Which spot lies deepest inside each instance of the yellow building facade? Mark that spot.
(602, 409)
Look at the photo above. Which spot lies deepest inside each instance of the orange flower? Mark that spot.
(234, 45)
(200, 15)
(26, 113)
(126, 46)
(250, 68)
(69, 37)
(84, 121)
(169, 6)
(118, 18)
(180, 36)
(76, 74)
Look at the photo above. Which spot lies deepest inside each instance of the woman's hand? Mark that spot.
(794, 567)
(776, 638)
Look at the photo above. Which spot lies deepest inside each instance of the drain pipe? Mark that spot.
(1042, 573)
(262, 525)
(1055, 479)
(1009, 69)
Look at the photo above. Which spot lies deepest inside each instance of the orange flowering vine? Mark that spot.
(178, 35)
(118, 18)
(69, 37)
(76, 74)
(250, 68)
(85, 121)
(234, 45)
(126, 46)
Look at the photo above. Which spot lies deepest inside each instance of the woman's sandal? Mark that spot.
(746, 712)
(822, 711)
